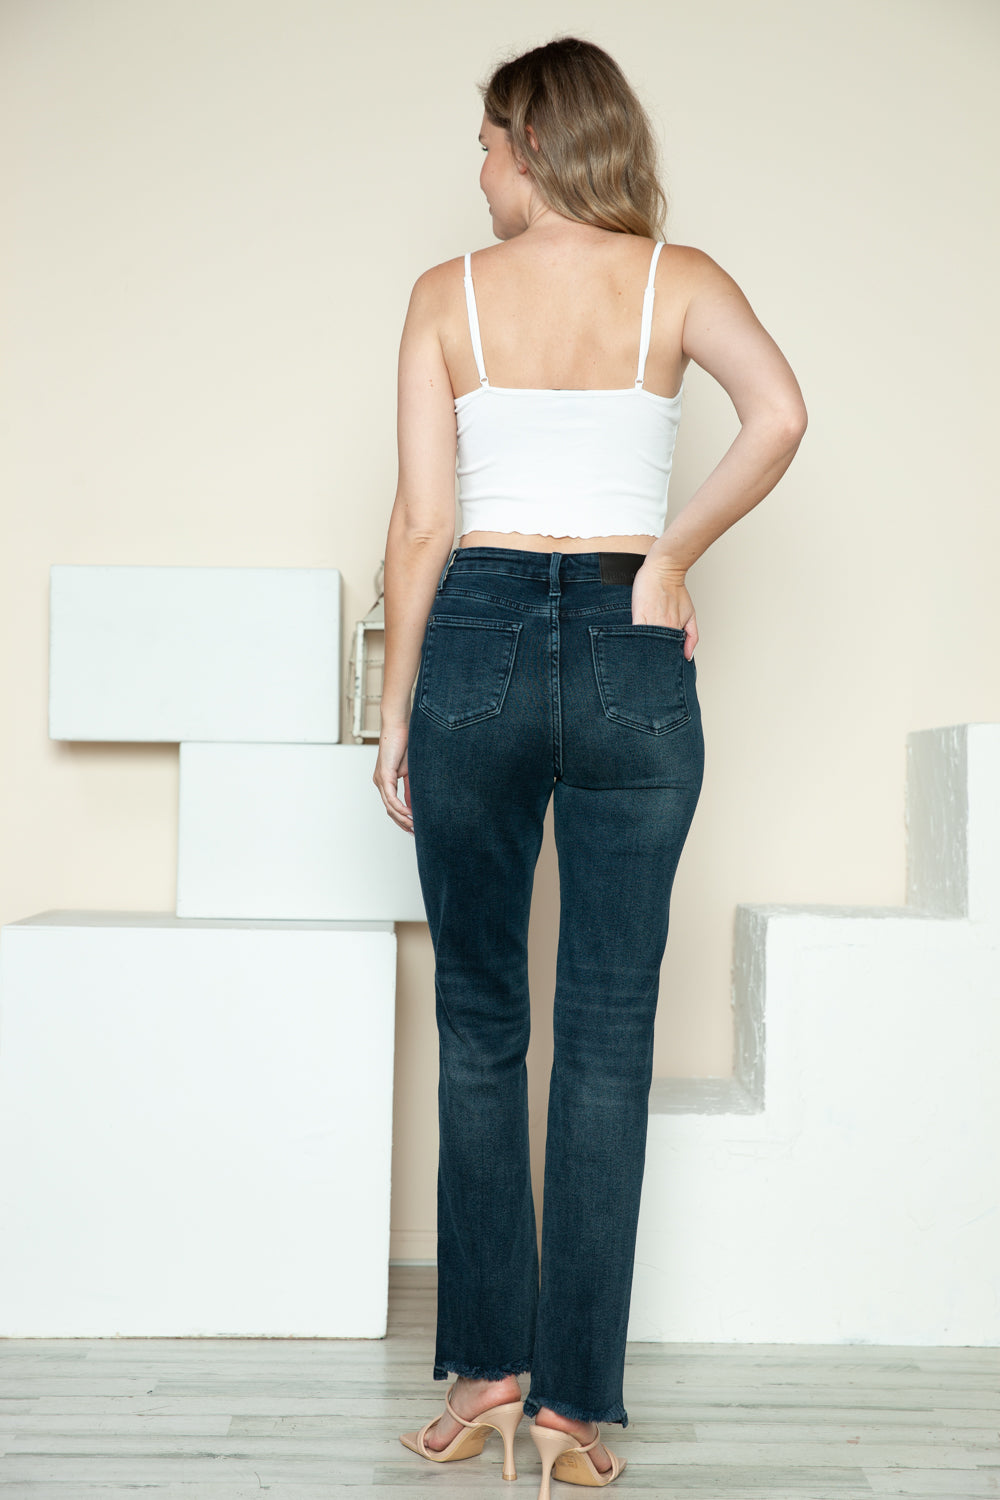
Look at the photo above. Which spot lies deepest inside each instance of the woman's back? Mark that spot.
(565, 312)
(555, 313)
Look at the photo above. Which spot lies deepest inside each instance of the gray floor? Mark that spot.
(228, 1418)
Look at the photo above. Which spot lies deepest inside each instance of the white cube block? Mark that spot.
(172, 653)
(290, 831)
(195, 1127)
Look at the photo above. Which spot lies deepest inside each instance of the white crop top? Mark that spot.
(565, 462)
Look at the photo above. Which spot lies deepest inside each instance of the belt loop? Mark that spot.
(447, 565)
(554, 562)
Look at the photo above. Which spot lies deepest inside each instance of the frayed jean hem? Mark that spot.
(534, 1404)
(482, 1372)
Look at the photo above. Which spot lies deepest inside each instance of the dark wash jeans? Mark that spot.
(533, 682)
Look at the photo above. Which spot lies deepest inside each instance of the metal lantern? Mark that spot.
(365, 672)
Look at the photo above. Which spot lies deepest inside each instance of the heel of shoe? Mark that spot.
(505, 1419)
(550, 1442)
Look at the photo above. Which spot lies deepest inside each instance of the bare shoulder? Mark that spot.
(434, 286)
(694, 270)
(693, 267)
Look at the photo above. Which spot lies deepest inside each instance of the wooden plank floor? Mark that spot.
(300, 1418)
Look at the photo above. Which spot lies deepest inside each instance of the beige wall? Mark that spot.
(220, 207)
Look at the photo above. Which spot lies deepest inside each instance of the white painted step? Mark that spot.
(844, 1185)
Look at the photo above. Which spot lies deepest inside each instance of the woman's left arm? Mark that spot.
(421, 527)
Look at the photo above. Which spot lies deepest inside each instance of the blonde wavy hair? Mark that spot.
(597, 159)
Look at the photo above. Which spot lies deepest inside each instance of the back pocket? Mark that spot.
(467, 666)
(639, 671)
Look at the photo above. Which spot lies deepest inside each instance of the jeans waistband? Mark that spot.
(569, 567)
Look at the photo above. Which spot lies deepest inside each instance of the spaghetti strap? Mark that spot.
(470, 302)
(647, 314)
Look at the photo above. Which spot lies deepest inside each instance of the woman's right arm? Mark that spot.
(421, 527)
(723, 335)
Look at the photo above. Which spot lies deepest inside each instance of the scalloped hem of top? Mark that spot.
(577, 536)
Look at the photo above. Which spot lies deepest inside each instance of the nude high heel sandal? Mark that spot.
(564, 1458)
(467, 1444)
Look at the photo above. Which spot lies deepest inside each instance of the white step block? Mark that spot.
(195, 1127)
(953, 821)
(848, 1188)
(290, 831)
(170, 653)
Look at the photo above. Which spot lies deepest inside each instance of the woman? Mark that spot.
(553, 652)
